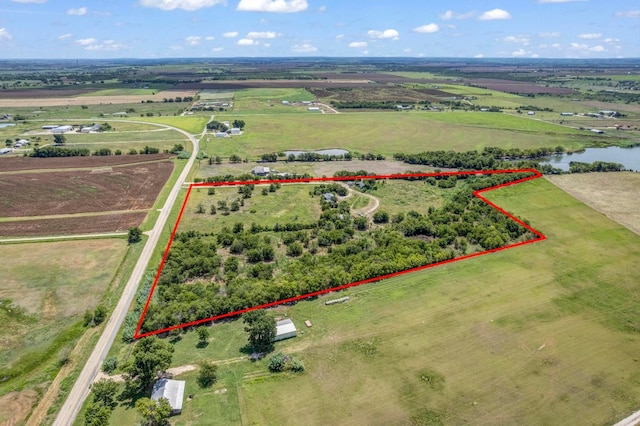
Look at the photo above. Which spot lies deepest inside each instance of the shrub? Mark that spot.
(277, 362)
(110, 364)
(297, 365)
(208, 375)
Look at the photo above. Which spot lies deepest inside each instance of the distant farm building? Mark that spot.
(89, 129)
(285, 102)
(173, 390)
(566, 114)
(49, 126)
(285, 329)
(4, 151)
(20, 143)
(220, 134)
(261, 171)
(313, 109)
(61, 129)
(596, 131)
(328, 197)
(531, 113)
(608, 113)
(236, 131)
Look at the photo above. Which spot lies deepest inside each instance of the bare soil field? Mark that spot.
(271, 84)
(511, 86)
(9, 164)
(132, 187)
(15, 406)
(613, 194)
(44, 98)
(72, 226)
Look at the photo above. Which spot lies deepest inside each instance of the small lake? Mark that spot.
(333, 151)
(628, 157)
(3, 125)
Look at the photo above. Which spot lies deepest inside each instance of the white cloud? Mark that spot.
(611, 40)
(339, 36)
(230, 34)
(108, 45)
(559, 1)
(4, 35)
(494, 14)
(427, 29)
(304, 48)
(262, 34)
(276, 6)
(193, 40)
(77, 12)
(597, 48)
(390, 33)
(579, 46)
(556, 46)
(86, 41)
(246, 42)
(629, 14)
(63, 36)
(521, 52)
(29, 1)
(358, 44)
(189, 5)
(450, 14)
(590, 36)
(517, 39)
(209, 38)
(267, 44)
(479, 55)
(552, 34)
(217, 49)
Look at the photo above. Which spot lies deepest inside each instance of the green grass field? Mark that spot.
(54, 297)
(269, 101)
(498, 339)
(291, 203)
(124, 141)
(388, 133)
(192, 124)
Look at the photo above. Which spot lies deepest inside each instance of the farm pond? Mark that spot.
(628, 157)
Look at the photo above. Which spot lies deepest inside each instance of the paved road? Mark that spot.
(632, 420)
(80, 389)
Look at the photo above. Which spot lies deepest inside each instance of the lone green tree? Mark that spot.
(203, 336)
(150, 355)
(238, 124)
(154, 413)
(208, 374)
(261, 329)
(135, 235)
(59, 139)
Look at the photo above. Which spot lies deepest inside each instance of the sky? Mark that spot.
(83, 29)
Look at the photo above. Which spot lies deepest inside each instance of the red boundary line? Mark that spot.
(540, 237)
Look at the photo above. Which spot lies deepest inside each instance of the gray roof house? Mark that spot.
(173, 390)
(261, 171)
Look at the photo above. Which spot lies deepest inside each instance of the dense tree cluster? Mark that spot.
(596, 166)
(211, 274)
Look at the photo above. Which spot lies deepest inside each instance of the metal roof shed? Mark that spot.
(173, 390)
(285, 329)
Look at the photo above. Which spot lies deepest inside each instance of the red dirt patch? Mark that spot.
(9, 164)
(72, 226)
(132, 187)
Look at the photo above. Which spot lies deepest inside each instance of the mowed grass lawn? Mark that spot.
(53, 283)
(387, 133)
(542, 334)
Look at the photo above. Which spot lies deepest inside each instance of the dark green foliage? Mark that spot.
(134, 235)
(53, 151)
(97, 415)
(110, 364)
(59, 139)
(239, 124)
(596, 166)
(104, 392)
(294, 250)
(296, 365)
(203, 335)
(261, 329)
(277, 362)
(154, 413)
(207, 375)
(380, 217)
(150, 355)
(99, 314)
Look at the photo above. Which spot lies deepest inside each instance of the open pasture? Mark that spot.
(269, 100)
(388, 133)
(132, 187)
(47, 302)
(494, 340)
(191, 124)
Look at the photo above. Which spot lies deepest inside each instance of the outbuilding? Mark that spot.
(261, 171)
(172, 390)
(236, 131)
(4, 151)
(285, 329)
(220, 134)
(62, 129)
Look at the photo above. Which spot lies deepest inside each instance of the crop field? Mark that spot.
(42, 319)
(388, 133)
(125, 188)
(216, 95)
(406, 93)
(70, 225)
(9, 164)
(8, 101)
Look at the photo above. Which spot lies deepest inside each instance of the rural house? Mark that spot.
(260, 171)
(173, 390)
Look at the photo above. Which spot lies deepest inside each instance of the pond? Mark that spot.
(332, 151)
(628, 157)
(3, 125)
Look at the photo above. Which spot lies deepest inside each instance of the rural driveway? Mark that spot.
(80, 389)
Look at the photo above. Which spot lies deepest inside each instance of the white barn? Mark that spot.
(62, 129)
(285, 329)
(173, 390)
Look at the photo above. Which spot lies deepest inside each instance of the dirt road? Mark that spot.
(80, 389)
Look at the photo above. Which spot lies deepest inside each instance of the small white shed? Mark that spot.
(173, 390)
(285, 329)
